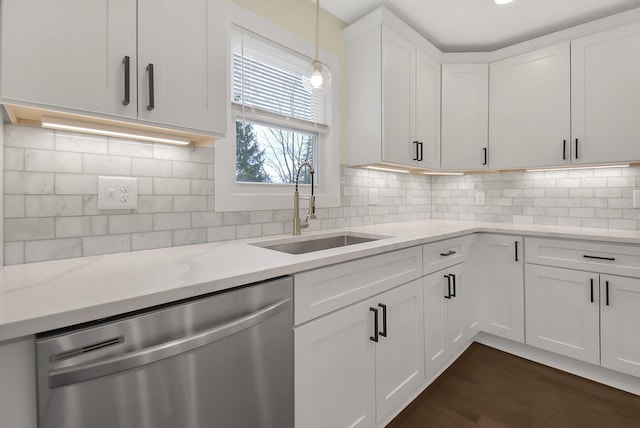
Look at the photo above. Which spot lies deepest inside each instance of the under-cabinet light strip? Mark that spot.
(578, 167)
(441, 173)
(110, 131)
(379, 168)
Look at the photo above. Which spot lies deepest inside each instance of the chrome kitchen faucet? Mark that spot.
(298, 225)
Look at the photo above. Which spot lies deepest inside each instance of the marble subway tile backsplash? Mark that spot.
(601, 198)
(51, 208)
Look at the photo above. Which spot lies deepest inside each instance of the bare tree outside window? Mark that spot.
(278, 152)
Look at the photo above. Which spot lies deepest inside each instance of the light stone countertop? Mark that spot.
(37, 297)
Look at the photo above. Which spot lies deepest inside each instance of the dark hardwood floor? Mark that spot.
(490, 388)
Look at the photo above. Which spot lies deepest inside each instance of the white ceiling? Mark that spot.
(481, 25)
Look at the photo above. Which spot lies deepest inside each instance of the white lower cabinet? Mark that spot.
(357, 366)
(500, 285)
(619, 322)
(588, 316)
(563, 312)
(444, 317)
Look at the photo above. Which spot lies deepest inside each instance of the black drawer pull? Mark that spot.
(127, 80)
(448, 253)
(375, 324)
(448, 296)
(453, 281)
(383, 333)
(611, 259)
(152, 97)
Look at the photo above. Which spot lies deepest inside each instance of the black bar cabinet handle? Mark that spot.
(576, 148)
(484, 150)
(564, 149)
(383, 333)
(611, 259)
(591, 281)
(152, 103)
(416, 144)
(421, 157)
(453, 280)
(448, 253)
(127, 80)
(448, 296)
(375, 324)
(606, 292)
(516, 250)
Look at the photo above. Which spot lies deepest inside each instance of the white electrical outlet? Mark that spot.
(373, 196)
(480, 198)
(636, 199)
(117, 193)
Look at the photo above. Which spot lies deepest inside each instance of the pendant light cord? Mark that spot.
(317, 26)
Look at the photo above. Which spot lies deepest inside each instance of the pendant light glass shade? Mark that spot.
(317, 76)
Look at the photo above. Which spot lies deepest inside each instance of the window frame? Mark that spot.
(233, 196)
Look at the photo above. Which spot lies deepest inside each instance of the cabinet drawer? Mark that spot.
(324, 290)
(442, 254)
(617, 259)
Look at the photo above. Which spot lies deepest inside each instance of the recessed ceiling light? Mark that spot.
(503, 1)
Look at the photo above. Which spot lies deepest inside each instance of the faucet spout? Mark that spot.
(298, 224)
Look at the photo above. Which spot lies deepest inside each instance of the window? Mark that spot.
(267, 90)
(275, 123)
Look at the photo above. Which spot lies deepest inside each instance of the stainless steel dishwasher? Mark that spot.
(225, 360)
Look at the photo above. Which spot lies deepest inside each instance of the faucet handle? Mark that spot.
(312, 207)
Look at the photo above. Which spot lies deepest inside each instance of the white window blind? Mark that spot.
(267, 83)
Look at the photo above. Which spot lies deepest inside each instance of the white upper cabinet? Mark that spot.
(465, 116)
(393, 99)
(185, 43)
(93, 57)
(605, 89)
(427, 110)
(398, 99)
(70, 54)
(529, 109)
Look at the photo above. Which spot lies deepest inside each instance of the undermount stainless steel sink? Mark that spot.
(309, 244)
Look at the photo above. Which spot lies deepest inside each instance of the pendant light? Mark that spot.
(317, 77)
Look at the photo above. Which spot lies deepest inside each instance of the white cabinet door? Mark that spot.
(529, 109)
(335, 370)
(427, 111)
(186, 44)
(435, 323)
(399, 354)
(456, 316)
(465, 116)
(398, 98)
(500, 281)
(606, 96)
(619, 321)
(562, 311)
(444, 317)
(69, 54)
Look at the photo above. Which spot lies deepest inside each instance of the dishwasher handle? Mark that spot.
(79, 373)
